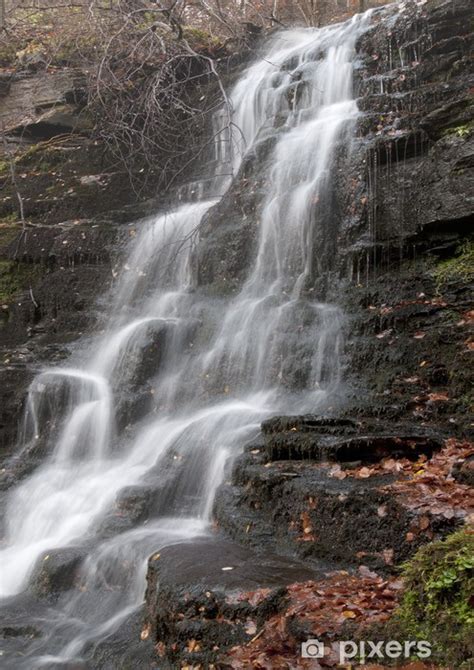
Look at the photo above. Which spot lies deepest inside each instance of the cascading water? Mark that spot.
(218, 365)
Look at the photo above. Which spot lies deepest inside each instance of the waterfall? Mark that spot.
(212, 367)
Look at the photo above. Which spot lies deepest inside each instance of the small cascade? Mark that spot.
(217, 367)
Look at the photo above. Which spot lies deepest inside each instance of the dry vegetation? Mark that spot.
(148, 65)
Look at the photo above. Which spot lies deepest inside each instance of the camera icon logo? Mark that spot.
(312, 649)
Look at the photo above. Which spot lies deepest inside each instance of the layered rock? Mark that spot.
(334, 489)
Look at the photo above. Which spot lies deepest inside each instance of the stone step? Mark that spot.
(195, 609)
(305, 508)
(343, 440)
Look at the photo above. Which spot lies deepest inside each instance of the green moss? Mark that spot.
(437, 603)
(15, 277)
(41, 157)
(461, 131)
(9, 218)
(459, 268)
(200, 39)
(4, 168)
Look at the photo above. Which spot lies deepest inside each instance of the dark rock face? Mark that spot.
(232, 226)
(413, 84)
(15, 379)
(291, 503)
(189, 599)
(47, 98)
(407, 219)
(344, 440)
(397, 238)
(56, 572)
(57, 274)
(77, 222)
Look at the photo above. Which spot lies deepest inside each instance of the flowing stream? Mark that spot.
(213, 367)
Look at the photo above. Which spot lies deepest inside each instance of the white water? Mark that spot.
(221, 365)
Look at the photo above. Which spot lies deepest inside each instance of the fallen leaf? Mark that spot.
(383, 334)
(145, 634)
(438, 397)
(424, 522)
(349, 614)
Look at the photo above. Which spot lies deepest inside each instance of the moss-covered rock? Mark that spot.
(437, 605)
(16, 277)
(459, 267)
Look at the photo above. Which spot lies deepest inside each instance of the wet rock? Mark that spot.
(21, 626)
(343, 440)
(56, 571)
(228, 231)
(132, 506)
(124, 648)
(283, 495)
(463, 471)
(15, 379)
(367, 448)
(194, 610)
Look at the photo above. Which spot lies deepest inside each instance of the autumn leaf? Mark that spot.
(349, 614)
(438, 397)
(424, 522)
(145, 633)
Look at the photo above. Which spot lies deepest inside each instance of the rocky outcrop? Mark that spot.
(48, 103)
(196, 617)
(64, 254)
(405, 240)
(415, 179)
(399, 261)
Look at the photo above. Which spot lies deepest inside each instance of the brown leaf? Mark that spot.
(438, 397)
(306, 523)
(337, 472)
(424, 522)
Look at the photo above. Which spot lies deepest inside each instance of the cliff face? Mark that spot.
(395, 246)
(75, 205)
(399, 260)
(397, 232)
(406, 247)
(397, 255)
